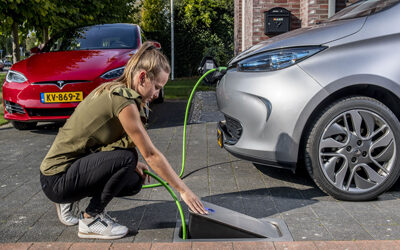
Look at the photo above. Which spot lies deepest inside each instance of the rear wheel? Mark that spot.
(24, 125)
(351, 152)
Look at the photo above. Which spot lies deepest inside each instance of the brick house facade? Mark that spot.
(304, 13)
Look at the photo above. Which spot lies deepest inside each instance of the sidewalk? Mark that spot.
(312, 217)
(323, 245)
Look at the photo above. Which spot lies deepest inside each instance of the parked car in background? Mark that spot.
(1, 65)
(49, 85)
(325, 96)
(7, 63)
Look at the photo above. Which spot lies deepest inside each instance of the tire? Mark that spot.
(160, 98)
(24, 125)
(351, 150)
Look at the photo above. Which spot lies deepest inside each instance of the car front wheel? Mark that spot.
(351, 151)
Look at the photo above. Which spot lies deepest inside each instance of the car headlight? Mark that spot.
(277, 59)
(14, 76)
(114, 73)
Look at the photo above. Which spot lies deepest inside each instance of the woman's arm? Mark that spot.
(130, 120)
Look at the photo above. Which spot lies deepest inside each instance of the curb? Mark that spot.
(326, 245)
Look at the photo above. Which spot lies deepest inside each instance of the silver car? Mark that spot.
(327, 97)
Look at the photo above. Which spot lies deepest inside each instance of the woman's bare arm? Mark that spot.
(130, 120)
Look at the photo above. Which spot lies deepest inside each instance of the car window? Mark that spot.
(94, 37)
(363, 8)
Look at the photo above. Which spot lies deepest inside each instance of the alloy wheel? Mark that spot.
(357, 151)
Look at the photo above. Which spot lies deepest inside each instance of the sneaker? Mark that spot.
(65, 214)
(100, 227)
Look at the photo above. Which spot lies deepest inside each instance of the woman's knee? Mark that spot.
(133, 187)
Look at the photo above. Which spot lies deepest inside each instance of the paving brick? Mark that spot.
(294, 245)
(70, 234)
(198, 183)
(159, 234)
(305, 227)
(340, 224)
(50, 245)
(259, 245)
(346, 231)
(43, 231)
(87, 246)
(383, 232)
(171, 246)
(334, 245)
(212, 245)
(222, 179)
(15, 246)
(372, 245)
(136, 246)
(356, 245)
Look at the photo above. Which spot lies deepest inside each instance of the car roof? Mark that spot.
(120, 25)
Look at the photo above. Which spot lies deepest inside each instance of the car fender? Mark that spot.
(320, 100)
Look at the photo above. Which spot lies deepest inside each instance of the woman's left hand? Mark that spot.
(140, 170)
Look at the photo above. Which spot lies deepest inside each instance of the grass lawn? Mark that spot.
(2, 120)
(179, 89)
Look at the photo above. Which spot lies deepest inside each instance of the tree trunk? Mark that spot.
(15, 44)
(45, 34)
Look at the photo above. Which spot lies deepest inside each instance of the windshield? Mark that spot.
(363, 8)
(95, 37)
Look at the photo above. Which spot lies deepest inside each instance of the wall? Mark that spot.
(305, 13)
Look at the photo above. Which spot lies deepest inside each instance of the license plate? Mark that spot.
(61, 97)
(220, 138)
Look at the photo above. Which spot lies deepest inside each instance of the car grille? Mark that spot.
(12, 108)
(51, 112)
(234, 128)
(59, 84)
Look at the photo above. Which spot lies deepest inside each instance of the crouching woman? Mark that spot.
(94, 154)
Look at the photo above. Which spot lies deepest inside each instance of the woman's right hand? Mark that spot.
(193, 202)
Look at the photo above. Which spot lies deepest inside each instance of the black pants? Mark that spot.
(102, 176)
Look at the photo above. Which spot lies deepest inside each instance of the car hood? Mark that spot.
(315, 35)
(71, 65)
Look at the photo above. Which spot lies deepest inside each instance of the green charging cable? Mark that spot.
(178, 204)
(164, 183)
(184, 125)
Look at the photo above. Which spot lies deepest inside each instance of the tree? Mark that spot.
(49, 16)
(154, 15)
(202, 27)
(212, 21)
(19, 13)
(77, 13)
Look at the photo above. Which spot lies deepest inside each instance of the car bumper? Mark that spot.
(263, 111)
(21, 101)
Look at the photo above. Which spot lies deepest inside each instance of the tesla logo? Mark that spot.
(60, 84)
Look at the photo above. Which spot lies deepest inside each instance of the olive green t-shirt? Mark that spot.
(94, 126)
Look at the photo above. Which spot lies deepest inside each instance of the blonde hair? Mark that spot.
(147, 58)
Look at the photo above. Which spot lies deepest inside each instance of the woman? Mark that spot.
(94, 153)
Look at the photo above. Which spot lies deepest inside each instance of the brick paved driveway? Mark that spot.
(26, 215)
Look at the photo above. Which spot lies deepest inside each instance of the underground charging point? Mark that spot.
(225, 224)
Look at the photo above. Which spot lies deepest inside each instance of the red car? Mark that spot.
(50, 84)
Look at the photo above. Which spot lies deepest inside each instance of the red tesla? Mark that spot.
(49, 85)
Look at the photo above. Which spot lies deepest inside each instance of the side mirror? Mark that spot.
(35, 50)
(206, 64)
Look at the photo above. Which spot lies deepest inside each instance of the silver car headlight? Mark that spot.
(114, 73)
(277, 59)
(14, 76)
